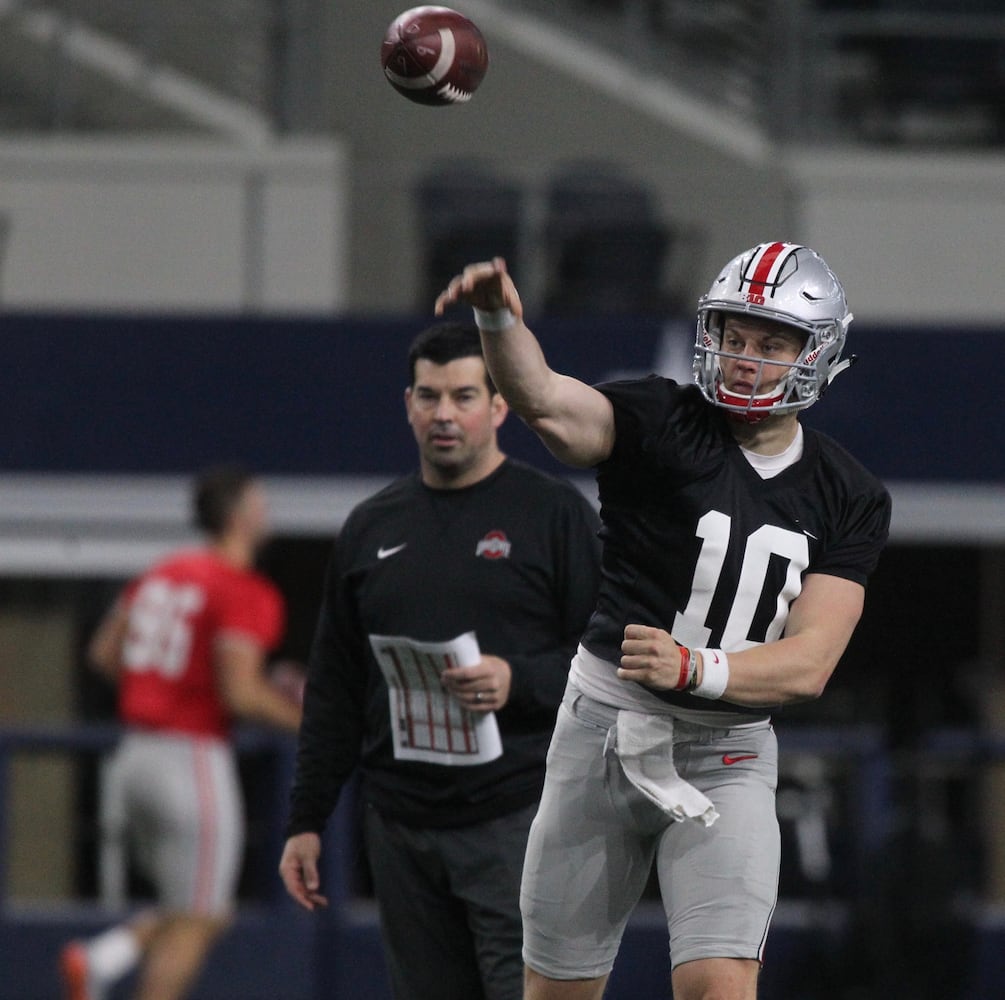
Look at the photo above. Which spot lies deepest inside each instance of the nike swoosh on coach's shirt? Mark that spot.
(728, 758)
(383, 553)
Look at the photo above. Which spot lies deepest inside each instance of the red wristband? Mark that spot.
(685, 669)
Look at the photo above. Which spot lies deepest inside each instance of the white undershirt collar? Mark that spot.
(768, 466)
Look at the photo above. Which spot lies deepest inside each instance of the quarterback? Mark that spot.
(736, 550)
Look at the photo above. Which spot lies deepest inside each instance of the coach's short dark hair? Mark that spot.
(445, 342)
(218, 491)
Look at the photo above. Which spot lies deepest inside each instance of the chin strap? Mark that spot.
(840, 367)
(850, 360)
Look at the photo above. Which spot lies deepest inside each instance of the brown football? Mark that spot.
(434, 55)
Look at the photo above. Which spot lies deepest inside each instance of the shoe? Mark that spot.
(74, 972)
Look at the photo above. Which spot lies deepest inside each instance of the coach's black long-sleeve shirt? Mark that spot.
(408, 562)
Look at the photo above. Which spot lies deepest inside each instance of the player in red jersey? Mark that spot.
(187, 644)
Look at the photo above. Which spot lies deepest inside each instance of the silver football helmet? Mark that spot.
(789, 284)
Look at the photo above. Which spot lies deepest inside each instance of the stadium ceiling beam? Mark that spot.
(183, 96)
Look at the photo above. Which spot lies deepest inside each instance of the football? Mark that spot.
(434, 55)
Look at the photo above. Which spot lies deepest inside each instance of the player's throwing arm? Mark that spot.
(574, 421)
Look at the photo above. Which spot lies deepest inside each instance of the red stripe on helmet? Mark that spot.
(762, 267)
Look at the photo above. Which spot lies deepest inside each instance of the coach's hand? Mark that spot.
(481, 688)
(298, 869)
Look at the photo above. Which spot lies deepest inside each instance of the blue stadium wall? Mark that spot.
(106, 395)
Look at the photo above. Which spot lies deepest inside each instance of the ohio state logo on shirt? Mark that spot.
(495, 545)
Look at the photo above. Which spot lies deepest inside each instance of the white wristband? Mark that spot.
(714, 674)
(494, 320)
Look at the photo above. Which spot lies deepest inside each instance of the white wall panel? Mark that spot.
(915, 238)
(167, 225)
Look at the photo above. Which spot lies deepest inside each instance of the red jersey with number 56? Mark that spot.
(177, 614)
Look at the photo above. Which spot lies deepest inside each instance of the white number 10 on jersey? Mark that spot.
(714, 529)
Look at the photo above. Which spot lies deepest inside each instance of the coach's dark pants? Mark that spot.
(450, 906)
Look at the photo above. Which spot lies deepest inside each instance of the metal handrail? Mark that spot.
(100, 738)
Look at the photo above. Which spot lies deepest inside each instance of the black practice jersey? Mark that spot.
(515, 559)
(697, 543)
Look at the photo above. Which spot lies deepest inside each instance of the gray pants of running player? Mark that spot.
(595, 838)
(175, 801)
(449, 906)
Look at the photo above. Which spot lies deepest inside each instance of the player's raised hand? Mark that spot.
(486, 285)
